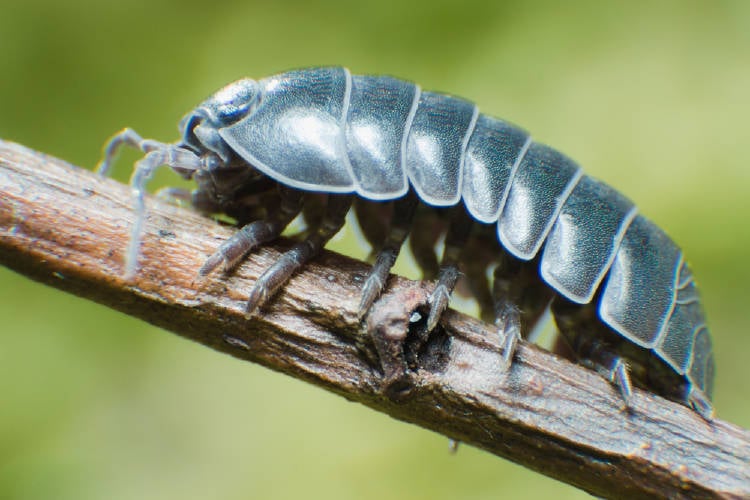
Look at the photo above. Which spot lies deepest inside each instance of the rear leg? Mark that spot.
(580, 328)
(698, 401)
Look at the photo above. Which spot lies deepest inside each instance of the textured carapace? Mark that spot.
(420, 163)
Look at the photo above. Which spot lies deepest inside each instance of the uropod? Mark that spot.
(263, 152)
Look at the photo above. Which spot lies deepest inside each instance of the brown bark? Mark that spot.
(66, 227)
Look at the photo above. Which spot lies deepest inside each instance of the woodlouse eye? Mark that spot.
(232, 102)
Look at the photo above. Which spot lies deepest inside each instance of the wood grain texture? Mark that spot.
(66, 227)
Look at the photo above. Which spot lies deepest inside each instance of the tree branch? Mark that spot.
(66, 227)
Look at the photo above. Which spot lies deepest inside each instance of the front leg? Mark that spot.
(256, 233)
(278, 274)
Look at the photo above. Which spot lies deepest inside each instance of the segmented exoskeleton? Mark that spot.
(620, 291)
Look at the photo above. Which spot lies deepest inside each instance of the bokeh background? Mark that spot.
(652, 97)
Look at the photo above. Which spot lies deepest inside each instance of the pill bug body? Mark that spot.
(622, 295)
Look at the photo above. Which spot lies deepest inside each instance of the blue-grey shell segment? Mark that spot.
(639, 295)
(584, 240)
(435, 147)
(295, 134)
(685, 344)
(675, 344)
(543, 181)
(379, 113)
(701, 370)
(494, 149)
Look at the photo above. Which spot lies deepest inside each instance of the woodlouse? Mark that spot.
(428, 163)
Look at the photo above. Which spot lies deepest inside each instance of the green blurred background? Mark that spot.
(650, 96)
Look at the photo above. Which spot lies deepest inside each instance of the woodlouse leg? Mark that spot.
(476, 258)
(197, 199)
(580, 328)
(373, 218)
(257, 233)
(278, 274)
(698, 400)
(458, 234)
(426, 230)
(508, 321)
(313, 212)
(612, 367)
(520, 300)
(403, 213)
(175, 195)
